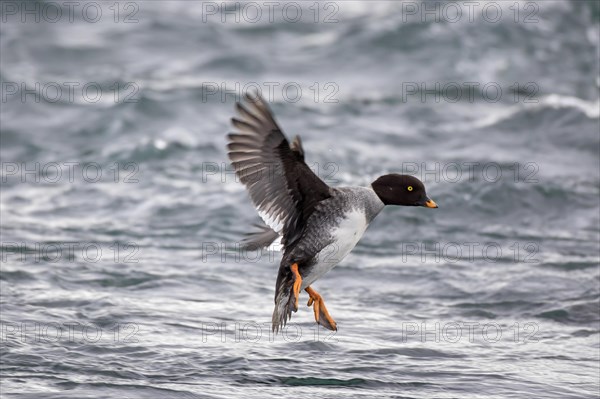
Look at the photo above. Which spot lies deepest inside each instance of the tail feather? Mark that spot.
(284, 298)
(262, 238)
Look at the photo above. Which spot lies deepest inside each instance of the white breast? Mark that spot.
(345, 237)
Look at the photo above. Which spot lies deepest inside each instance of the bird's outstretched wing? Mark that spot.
(265, 236)
(282, 187)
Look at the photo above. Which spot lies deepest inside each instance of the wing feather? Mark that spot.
(282, 187)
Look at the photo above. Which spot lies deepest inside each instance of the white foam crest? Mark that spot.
(590, 108)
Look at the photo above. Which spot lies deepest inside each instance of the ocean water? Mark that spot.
(120, 272)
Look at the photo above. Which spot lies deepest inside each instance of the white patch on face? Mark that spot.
(345, 236)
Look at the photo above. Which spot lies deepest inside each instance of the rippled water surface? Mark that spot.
(120, 273)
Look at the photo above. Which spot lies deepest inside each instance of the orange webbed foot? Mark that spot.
(297, 285)
(322, 316)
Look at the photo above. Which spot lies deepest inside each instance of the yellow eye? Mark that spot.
(410, 188)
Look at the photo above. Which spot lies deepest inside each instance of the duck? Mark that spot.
(318, 225)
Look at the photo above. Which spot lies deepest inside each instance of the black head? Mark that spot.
(404, 190)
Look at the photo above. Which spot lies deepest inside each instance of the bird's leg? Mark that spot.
(297, 284)
(322, 316)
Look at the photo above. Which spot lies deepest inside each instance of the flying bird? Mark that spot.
(318, 224)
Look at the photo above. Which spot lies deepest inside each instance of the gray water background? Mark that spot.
(120, 275)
